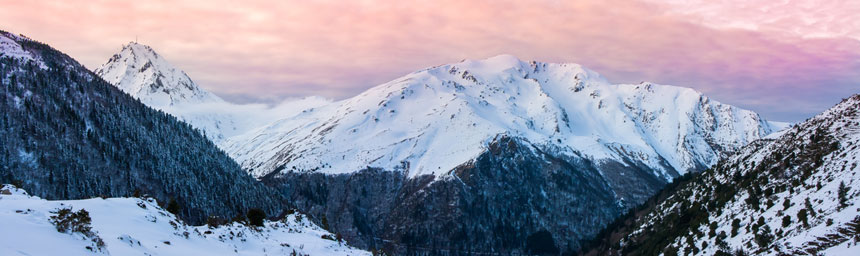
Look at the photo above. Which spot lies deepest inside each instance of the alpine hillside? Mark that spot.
(794, 193)
(68, 134)
(491, 156)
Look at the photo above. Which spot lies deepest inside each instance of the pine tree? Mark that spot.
(256, 217)
(173, 206)
(786, 220)
(801, 216)
(843, 195)
(808, 205)
(765, 237)
(736, 224)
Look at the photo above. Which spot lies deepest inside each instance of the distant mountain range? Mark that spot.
(431, 121)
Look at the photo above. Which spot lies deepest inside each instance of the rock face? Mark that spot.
(67, 134)
(793, 193)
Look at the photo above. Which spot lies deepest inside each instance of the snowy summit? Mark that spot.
(145, 75)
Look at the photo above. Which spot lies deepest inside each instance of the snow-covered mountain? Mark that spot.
(135, 226)
(431, 121)
(144, 74)
(795, 193)
(148, 77)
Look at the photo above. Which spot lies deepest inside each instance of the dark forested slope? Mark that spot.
(66, 134)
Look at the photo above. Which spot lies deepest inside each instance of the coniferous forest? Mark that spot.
(68, 134)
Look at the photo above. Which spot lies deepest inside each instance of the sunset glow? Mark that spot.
(786, 61)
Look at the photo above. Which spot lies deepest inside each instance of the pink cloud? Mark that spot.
(261, 50)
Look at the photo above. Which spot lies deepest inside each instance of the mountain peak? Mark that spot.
(141, 72)
(141, 49)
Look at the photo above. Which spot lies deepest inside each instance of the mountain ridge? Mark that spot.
(464, 105)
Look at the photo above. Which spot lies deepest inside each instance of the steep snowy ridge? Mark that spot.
(433, 120)
(136, 226)
(792, 194)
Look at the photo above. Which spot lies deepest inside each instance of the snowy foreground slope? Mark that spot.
(794, 194)
(430, 121)
(133, 226)
(147, 76)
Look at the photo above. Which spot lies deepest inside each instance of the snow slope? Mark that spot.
(10, 48)
(767, 190)
(842, 122)
(144, 74)
(134, 226)
(433, 120)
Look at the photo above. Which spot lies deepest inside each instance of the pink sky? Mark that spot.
(786, 61)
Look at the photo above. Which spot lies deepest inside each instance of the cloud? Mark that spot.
(265, 51)
(244, 117)
(802, 18)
